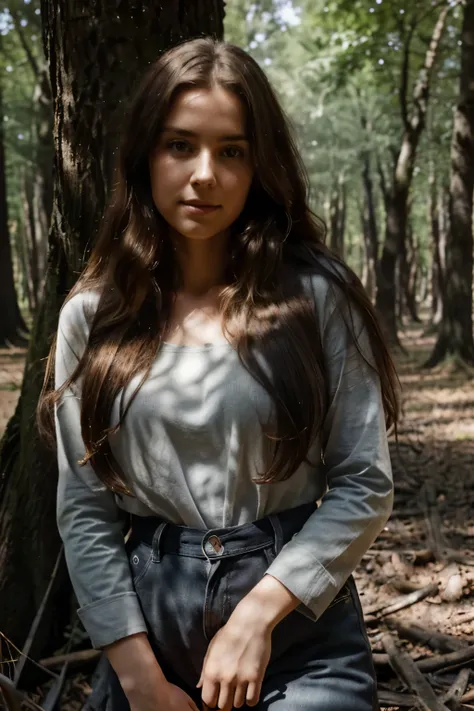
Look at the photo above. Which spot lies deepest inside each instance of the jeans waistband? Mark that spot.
(275, 529)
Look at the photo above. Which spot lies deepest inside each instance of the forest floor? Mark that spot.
(425, 550)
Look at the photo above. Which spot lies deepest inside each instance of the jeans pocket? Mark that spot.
(140, 556)
(343, 595)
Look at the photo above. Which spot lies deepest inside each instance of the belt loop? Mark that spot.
(277, 531)
(157, 540)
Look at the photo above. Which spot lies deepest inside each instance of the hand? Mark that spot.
(167, 698)
(142, 679)
(235, 664)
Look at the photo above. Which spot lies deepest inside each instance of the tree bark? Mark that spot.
(96, 50)
(337, 211)
(439, 228)
(411, 275)
(371, 242)
(455, 339)
(395, 230)
(44, 161)
(13, 330)
(31, 242)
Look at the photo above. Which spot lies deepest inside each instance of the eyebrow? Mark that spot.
(192, 134)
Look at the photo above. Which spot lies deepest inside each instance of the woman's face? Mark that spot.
(201, 169)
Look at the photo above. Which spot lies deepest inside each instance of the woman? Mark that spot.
(218, 371)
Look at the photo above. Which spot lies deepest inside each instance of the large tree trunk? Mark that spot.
(12, 327)
(455, 339)
(395, 232)
(96, 51)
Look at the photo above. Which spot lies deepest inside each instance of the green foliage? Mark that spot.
(336, 63)
(21, 57)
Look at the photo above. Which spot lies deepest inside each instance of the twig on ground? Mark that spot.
(393, 698)
(375, 612)
(437, 662)
(436, 640)
(462, 619)
(447, 661)
(72, 659)
(454, 694)
(410, 674)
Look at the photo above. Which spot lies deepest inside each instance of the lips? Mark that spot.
(199, 203)
(198, 208)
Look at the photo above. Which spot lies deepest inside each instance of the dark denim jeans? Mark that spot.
(189, 582)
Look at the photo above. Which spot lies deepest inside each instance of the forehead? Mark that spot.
(213, 111)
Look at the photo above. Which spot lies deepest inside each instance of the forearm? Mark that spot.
(133, 661)
(266, 604)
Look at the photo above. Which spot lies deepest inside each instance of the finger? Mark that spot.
(253, 693)
(240, 695)
(226, 696)
(199, 684)
(210, 693)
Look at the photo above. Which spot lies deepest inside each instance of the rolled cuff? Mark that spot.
(112, 618)
(305, 578)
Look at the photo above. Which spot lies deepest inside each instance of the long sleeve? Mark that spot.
(89, 521)
(315, 564)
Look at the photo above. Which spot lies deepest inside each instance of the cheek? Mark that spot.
(167, 178)
(238, 188)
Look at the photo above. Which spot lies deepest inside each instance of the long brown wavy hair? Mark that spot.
(266, 310)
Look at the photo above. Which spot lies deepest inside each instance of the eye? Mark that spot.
(179, 146)
(233, 152)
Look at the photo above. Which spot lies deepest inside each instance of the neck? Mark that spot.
(202, 263)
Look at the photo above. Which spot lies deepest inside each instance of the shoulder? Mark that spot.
(325, 284)
(75, 318)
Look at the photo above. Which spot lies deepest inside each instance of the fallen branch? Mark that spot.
(377, 611)
(436, 663)
(447, 661)
(436, 640)
(456, 690)
(393, 698)
(405, 587)
(462, 619)
(72, 659)
(410, 674)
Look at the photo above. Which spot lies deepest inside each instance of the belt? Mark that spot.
(275, 529)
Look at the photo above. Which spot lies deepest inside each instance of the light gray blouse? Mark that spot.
(191, 445)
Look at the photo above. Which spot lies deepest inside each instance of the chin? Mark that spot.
(197, 232)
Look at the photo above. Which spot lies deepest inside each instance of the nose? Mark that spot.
(204, 173)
